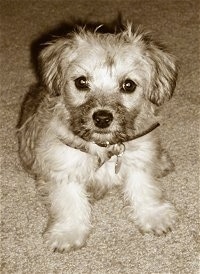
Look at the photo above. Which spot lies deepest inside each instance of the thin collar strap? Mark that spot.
(131, 138)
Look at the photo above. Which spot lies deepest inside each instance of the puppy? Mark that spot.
(92, 129)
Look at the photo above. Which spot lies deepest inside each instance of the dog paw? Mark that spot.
(158, 219)
(62, 238)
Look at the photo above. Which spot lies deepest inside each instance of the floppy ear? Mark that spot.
(50, 62)
(161, 65)
(163, 74)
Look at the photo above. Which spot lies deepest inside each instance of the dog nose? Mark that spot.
(102, 118)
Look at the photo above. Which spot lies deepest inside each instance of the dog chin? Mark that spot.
(105, 137)
(99, 137)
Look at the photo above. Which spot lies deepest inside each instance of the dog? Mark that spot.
(93, 128)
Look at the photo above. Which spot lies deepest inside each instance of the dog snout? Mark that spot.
(102, 118)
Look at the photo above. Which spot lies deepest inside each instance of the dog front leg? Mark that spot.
(151, 211)
(70, 212)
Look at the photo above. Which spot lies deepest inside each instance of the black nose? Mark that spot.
(102, 118)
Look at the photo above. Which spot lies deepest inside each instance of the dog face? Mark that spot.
(106, 80)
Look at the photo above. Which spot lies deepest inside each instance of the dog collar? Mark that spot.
(119, 151)
(120, 147)
(131, 138)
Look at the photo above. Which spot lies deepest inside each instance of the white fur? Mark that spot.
(71, 213)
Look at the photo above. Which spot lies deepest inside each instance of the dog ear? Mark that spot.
(50, 63)
(163, 74)
(161, 65)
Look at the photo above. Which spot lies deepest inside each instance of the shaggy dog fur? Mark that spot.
(98, 92)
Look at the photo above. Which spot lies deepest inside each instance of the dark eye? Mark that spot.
(128, 86)
(81, 83)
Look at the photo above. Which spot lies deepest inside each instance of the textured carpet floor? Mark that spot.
(115, 245)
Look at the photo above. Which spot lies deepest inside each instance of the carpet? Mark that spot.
(115, 245)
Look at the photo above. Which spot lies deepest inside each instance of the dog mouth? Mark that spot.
(103, 136)
(110, 138)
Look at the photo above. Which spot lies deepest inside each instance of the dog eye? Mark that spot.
(128, 86)
(81, 83)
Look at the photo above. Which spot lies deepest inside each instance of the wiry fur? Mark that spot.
(57, 137)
